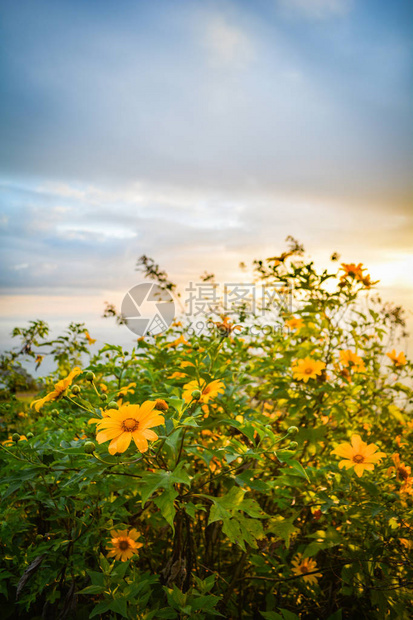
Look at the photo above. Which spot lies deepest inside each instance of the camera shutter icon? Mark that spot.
(148, 309)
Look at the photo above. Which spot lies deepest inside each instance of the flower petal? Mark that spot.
(123, 442)
(140, 441)
(359, 469)
(107, 435)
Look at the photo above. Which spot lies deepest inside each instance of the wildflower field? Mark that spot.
(236, 473)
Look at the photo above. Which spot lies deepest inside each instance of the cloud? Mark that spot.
(94, 238)
(200, 134)
(316, 9)
(226, 44)
(96, 231)
(219, 95)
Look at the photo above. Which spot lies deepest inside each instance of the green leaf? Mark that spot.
(288, 615)
(191, 509)
(166, 612)
(283, 528)
(98, 579)
(177, 403)
(218, 513)
(163, 479)
(165, 503)
(120, 570)
(92, 590)
(232, 529)
(299, 469)
(189, 421)
(100, 608)
(253, 509)
(120, 606)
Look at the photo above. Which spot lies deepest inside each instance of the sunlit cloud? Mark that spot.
(202, 134)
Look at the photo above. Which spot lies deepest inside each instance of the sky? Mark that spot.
(200, 133)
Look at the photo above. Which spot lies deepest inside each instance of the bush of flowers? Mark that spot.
(215, 474)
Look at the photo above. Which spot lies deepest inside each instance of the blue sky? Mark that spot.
(202, 134)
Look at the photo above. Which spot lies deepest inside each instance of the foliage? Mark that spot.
(241, 506)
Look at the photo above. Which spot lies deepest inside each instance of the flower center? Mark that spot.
(123, 545)
(308, 371)
(304, 568)
(403, 473)
(130, 425)
(358, 458)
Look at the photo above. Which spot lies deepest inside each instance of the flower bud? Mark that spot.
(54, 413)
(70, 419)
(89, 447)
(29, 435)
(75, 390)
(15, 437)
(196, 394)
(161, 405)
(90, 376)
(103, 397)
(293, 445)
(293, 430)
(112, 405)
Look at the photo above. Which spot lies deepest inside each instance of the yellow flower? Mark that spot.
(10, 442)
(367, 282)
(129, 422)
(294, 323)
(103, 414)
(352, 270)
(59, 388)
(398, 360)
(89, 338)
(407, 544)
(225, 327)
(351, 360)
(177, 375)
(307, 368)
(358, 455)
(403, 472)
(125, 390)
(180, 340)
(123, 544)
(304, 566)
(208, 390)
